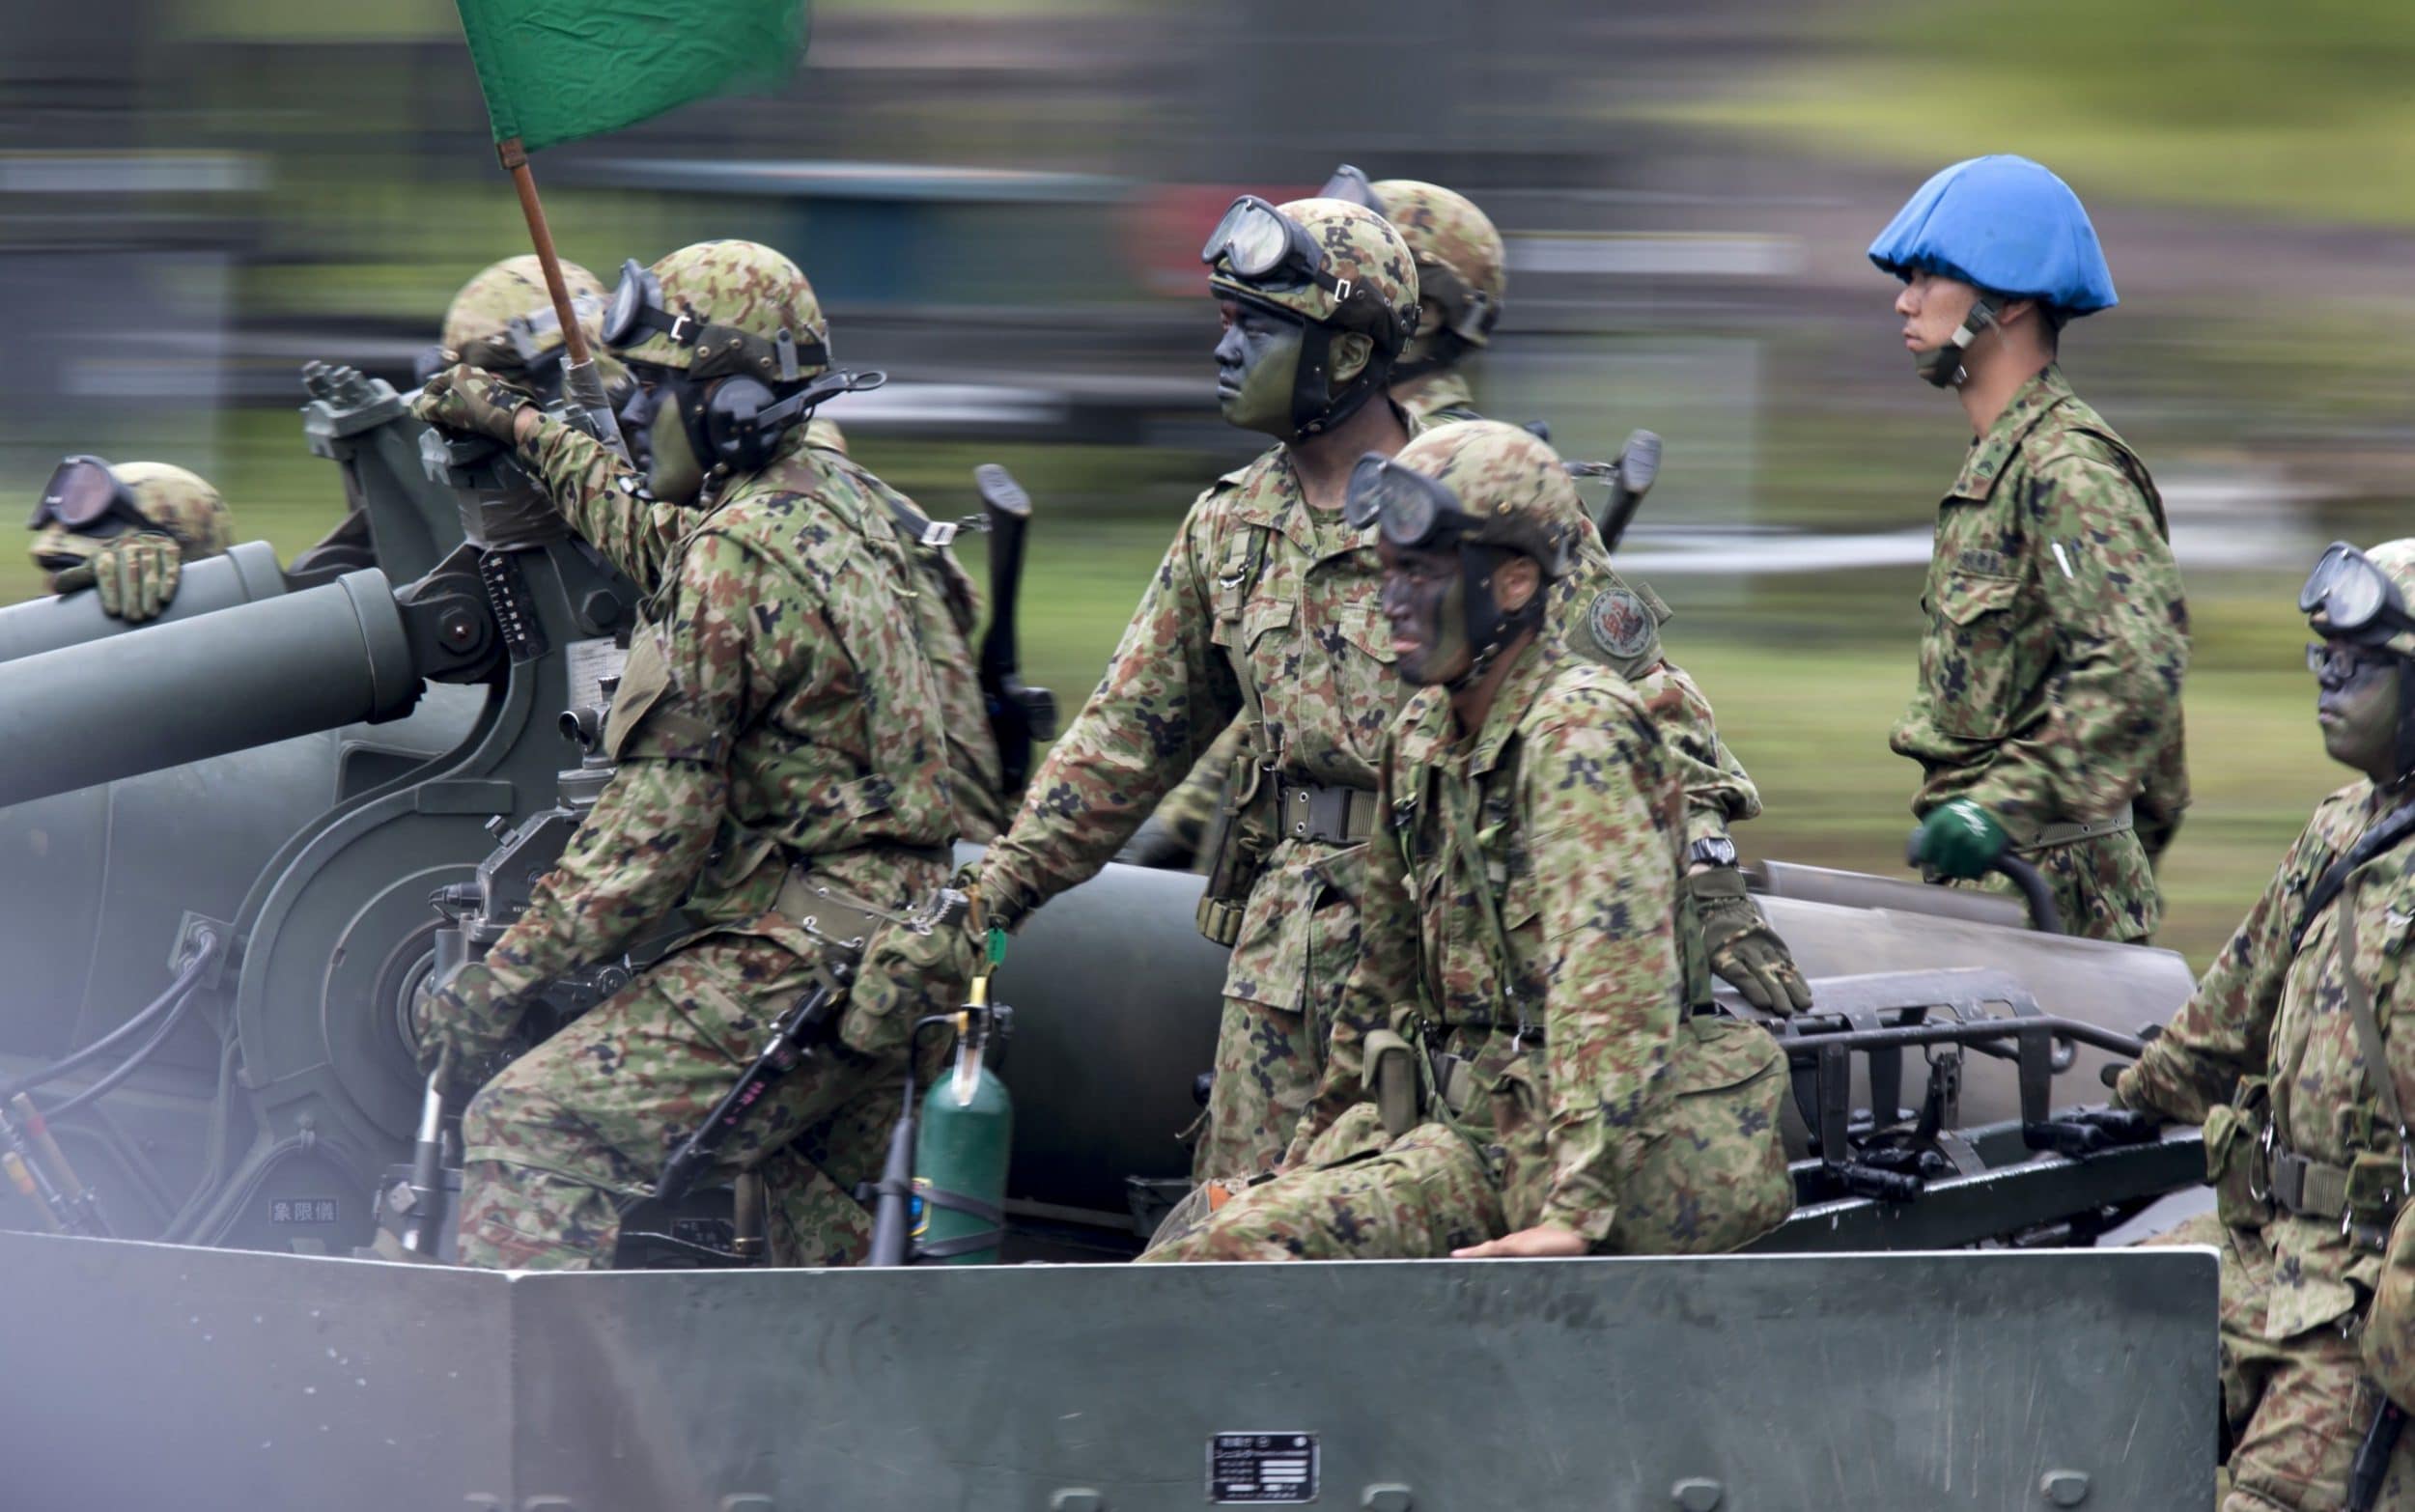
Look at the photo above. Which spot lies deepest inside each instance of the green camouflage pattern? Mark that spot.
(181, 504)
(1446, 232)
(742, 286)
(2050, 675)
(1438, 397)
(1362, 249)
(1511, 482)
(775, 708)
(597, 492)
(1578, 1047)
(135, 575)
(476, 324)
(1258, 586)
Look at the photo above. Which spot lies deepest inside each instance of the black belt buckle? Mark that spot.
(1316, 811)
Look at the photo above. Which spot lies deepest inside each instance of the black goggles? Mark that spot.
(1260, 245)
(83, 493)
(1351, 187)
(2354, 598)
(638, 306)
(1412, 510)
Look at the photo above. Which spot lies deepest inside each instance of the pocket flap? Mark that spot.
(1715, 1053)
(1963, 598)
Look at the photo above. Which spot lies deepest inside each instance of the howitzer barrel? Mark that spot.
(228, 680)
(245, 575)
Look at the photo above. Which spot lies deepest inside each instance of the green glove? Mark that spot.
(1742, 949)
(463, 398)
(466, 1023)
(136, 575)
(1959, 839)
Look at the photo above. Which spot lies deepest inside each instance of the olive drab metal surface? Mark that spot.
(144, 1375)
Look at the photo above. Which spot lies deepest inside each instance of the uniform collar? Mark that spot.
(1425, 730)
(1270, 497)
(1428, 393)
(1991, 453)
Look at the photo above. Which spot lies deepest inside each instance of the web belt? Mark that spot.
(1325, 812)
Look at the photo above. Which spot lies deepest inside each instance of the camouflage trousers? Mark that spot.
(1267, 1060)
(2105, 887)
(1416, 1197)
(557, 1143)
(2297, 1408)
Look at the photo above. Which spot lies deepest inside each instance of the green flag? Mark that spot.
(556, 69)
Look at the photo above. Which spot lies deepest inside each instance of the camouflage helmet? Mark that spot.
(721, 308)
(177, 504)
(1364, 279)
(1463, 269)
(503, 318)
(1510, 487)
(2373, 592)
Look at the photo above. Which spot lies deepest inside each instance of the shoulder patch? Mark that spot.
(1619, 623)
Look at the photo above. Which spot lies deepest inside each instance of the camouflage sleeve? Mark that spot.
(2224, 1031)
(1718, 792)
(638, 853)
(1168, 693)
(592, 488)
(1186, 809)
(2121, 645)
(1602, 804)
(1385, 976)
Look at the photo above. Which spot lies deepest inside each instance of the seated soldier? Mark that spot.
(125, 532)
(1514, 1070)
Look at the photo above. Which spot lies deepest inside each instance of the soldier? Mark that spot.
(2293, 1054)
(125, 532)
(783, 780)
(1264, 609)
(1520, 900)
(2049, 691)
(1462, 283)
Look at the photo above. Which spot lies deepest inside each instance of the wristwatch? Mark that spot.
(1712, 851)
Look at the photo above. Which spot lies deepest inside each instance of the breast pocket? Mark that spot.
(1366, 628)
(1969, 663)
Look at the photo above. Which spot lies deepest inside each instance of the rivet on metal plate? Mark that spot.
(1386, 1498)
(2065, 1488)
(1076, 1500)
(1700, 1494)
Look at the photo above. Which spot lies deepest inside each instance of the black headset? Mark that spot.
(739, 422)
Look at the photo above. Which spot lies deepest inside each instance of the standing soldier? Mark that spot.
(125, 532)
(1515, 1070)
(1461, 282)
(1263, 609)
(2294, 1053)
(783, 780)
(2049, 691)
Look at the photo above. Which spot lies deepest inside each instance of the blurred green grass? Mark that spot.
(1806, 674)
(2301, 108)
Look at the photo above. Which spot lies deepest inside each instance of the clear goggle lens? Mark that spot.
(630, 297)
(2348, 591)
(1408, 505)
(1251, 238)
(78, 495)
(1351, 185)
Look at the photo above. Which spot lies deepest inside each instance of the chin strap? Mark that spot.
(1443, 349)
(1315, 407)
(1489, 630)
(1942, 366)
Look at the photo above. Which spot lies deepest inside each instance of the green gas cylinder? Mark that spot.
(960, 1162)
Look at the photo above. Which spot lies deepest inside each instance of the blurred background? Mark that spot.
(1001, 201)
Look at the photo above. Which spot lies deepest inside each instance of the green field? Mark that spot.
(1806, 682)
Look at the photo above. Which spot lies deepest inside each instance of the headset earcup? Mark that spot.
(732, 423)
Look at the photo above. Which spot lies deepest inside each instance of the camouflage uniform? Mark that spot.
(2050, 675)
(1559, 819)
(779, 727)
(2267, 1037)
(136, 573)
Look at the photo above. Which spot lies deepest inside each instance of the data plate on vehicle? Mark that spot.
(1261, 1468)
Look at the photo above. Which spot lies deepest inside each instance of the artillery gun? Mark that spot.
(340, 773)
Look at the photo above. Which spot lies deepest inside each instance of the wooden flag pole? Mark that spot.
(514, 158)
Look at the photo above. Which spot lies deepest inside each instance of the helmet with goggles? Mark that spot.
(1463, 269)
(1478, 483)
(2362, 597)
(1332, 263)
(719, 309)
(87, 501)
(503, 319)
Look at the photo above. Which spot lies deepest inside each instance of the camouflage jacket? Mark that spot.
(1437, 398)
(1565, 808)
(2268, 1010)
(774, 708)
(599, 494)
(1257, 586)
(2049, 676)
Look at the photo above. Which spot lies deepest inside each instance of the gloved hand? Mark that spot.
(1959, 839)
(136, 575)
(1742, 949)
(463, 398)
(465, 1022)
(1156, 843)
